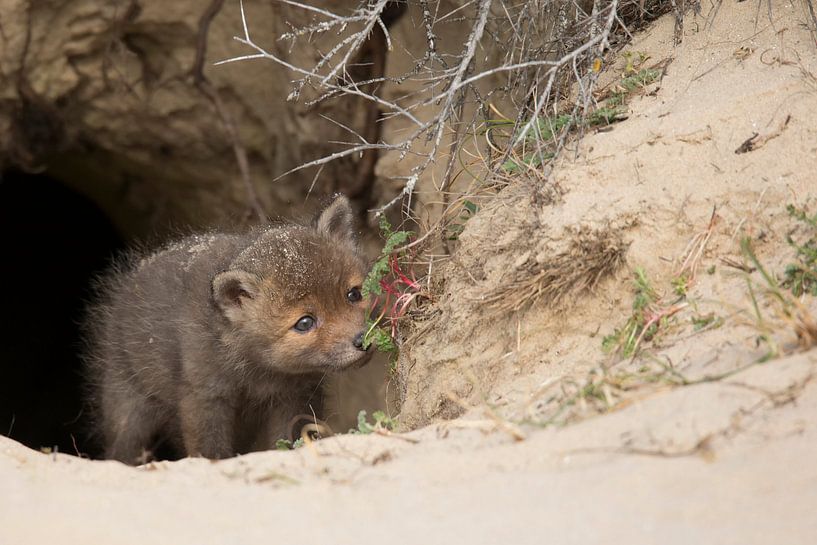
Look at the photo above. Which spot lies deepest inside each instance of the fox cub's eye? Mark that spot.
(304, 324)
(354, 295)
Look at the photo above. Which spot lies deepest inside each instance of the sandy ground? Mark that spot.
(720, 461)
(754, 483)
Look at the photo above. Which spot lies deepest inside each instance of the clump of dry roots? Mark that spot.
(591, 255)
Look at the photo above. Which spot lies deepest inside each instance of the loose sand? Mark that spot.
(720, 461)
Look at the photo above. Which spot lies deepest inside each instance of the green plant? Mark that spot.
(381, 422)
(632, 80)
(786, 312)
(633, 61)
(625, 339)
(640, 79)
(455, 228)
(393, 287)
(547, 128)
(530, 153)
(616, 100)
(647, 318)
(286, 444)
(801, 277)
(604, 116)
(680, 284)
(530, 160)
(706, 320)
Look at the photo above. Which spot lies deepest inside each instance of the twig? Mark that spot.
(204, 85)
(756, 140)
(535, 76)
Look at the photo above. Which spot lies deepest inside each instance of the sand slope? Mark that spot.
(721, 461)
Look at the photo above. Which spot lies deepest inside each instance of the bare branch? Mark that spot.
(309, 8)
(534, 49)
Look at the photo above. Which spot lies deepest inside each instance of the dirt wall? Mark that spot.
(121, 101)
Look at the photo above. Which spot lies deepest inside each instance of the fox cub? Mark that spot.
(214, 344)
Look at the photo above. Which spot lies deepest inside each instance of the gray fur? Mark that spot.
(194, 343)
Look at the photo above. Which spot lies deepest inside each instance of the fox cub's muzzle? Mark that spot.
(358, 342)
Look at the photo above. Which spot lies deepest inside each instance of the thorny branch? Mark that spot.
(530, 51)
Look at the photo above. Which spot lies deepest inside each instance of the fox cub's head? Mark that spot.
(293, 297)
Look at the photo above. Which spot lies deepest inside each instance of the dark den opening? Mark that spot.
(55, 242)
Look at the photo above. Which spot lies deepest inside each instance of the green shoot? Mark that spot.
(381, 422)
(801, 277)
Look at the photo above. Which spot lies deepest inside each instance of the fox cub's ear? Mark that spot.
(337, 220)
(231, 288)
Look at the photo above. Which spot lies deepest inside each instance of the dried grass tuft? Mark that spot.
(592, 255)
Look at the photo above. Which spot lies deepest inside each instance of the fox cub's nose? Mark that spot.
(358, 342)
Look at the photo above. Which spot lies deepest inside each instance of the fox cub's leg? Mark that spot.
(129, 424)
(269, 425)
(208, 425)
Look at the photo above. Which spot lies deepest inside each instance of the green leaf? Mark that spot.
(380, 337)
(363, 426)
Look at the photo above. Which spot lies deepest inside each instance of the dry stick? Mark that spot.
(810, 5)
(453, 150)
(311, 8)
(374, 17)
(261, 53)
(601, 40)
(678, 35)
(402, 147)
(465, 61)
(227, 120)
(654, 319)
(376, 47)
(431, 38)
(695, 249)
(555, 66)
(454, 78)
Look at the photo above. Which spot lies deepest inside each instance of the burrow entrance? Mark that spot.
(54, 241)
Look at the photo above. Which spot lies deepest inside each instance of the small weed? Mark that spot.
(616, 100)
(706, 321)
(286, 444)
(380, 337)
(647, 318)
(680, 285)
(603, 390)
(787, 312)
(382, 267)
(801, 277)
(530, 160)
(540, 144)
(634, 60)
(633, 79)
(456, 228)
(639, 80)
(625, 340)
(605, 115)
(381, 422)
(548, 130)
(649, 315)
(393, 287)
